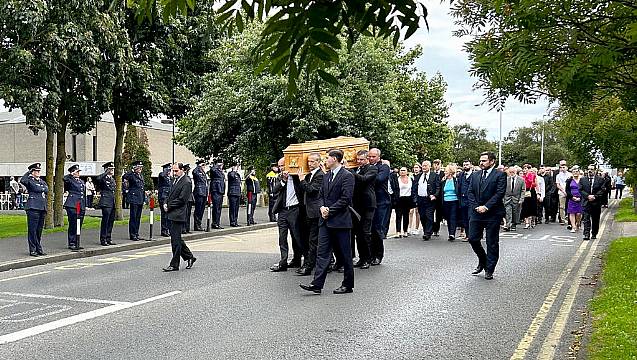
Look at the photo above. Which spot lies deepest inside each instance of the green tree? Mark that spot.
(249, 116)
(136, 149)
(469, 142)
(523, 145)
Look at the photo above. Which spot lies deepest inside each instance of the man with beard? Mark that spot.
(364, 200)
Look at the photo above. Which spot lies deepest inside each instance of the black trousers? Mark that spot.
(200, 206)
(476, 227)
(165, 223)
(72, 231)
(403, 207)
(590, 220)
(35, 224)
(179, 247)
(288, 221)
(135, 220)
(337, 240)
(439, 214)
(377, 246)
(271, 201)
(217, 202)
(250, 205)
(233, 209)
(426, 209)
(313, 230)
(106, 225)
(362, 234)
(188, 215)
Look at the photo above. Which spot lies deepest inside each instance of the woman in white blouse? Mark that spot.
(404, 204)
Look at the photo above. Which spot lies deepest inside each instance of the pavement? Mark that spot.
(420, 303)
(14, 252)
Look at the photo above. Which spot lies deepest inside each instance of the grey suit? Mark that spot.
(176, 202)
(512, 199)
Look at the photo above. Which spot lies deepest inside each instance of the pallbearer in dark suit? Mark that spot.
(106, 185)
(176, 209)
(364, 200)
(135, 198)
(335, 225)
(163, 187)
(593, 190)
(383, 206)
(252, 191)
(234, 196)
(200, 179)
(76, 190)
(486, 194)
(35, 207)
(311, 185)
(217, 189)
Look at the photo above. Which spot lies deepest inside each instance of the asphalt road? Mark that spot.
(421, 303)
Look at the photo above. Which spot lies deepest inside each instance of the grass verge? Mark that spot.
(626, 212)
(614, 308)
(16, 225)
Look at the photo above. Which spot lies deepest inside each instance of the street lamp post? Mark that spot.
(172, 122)
(500, 142)
(542, 146)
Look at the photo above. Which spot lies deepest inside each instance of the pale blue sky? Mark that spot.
(443, 53)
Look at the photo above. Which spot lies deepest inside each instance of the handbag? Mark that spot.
(527, 194)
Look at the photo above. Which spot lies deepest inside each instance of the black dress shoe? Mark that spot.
(451, 238)
(309, 287)
(359, 263)
(104, 244)
(75, 248)
(488, 275)
(365, 265)
(294, 264)
(426, 237)
(436, 234)
(586, 238)
(234, 225)
(376, 261)
(278, 268)
(343, 290)
(594, 237)
(33, 253)
(41, 253)
(135, 239)
(141, 238)
(304, 271)
(506, 229)
(190, 262)
(198, 229)
(165, 234)
(170, 268)
(111, 243)
(478, 270)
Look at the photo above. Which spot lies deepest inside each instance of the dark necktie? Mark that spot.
(331, 178)
(484, 176)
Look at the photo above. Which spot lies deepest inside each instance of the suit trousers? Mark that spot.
(271, 201)
(200, 207)
(450, 209)
(179, 247)
(165, 223)
(337, 240)
(288, 221)
(35, 223)
(590, 220)
(106, 225)
(512, 213)
(233, 209)
(134, 220)
(312, 225)
(464, 221)
(476, 228)
(250, 205)
(426, 209)
(361, 234)
(376, 246)
(217, 203)
(186, 226)
(72, 231)
(438, 216)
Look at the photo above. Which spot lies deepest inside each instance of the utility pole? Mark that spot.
(542, 147)
(500, 142)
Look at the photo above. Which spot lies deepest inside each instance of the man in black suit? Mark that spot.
(365, 204)
(311, 185)
(437, 168)
(163, 187)
(200, 193)
(425, 190)
(234, 196)
(486, 195)
(383, 206)
(177, 212)
(335, 225)
(593, 189)
(288, 209)
(217, 189)
(106, 185)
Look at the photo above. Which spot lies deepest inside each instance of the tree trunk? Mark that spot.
(60, 160)
(120, 127)
(50, 140)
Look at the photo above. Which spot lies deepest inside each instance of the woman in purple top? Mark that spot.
(574, 198)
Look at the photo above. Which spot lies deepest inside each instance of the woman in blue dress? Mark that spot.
(574, 198)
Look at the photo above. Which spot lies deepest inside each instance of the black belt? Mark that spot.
(290, 207)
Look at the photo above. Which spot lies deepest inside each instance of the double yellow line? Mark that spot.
(552, 340)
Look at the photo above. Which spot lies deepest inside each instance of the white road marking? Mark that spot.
(53, 325)
(25, 276)
(65, 298)
(12, 318)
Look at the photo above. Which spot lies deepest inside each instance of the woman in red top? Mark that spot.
(529, 206)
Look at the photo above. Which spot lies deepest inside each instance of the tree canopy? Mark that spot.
(469, 142)
(523, 145)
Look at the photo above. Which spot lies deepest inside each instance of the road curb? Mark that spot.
(105, 250)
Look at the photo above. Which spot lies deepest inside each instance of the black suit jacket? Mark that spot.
(311, 191)
(280, 191)
(433, 185)
(490, 193)
(364, 187)
(598, 190)
(178, 197)
(337, 196)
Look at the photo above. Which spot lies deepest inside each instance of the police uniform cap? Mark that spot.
(137, 164)
(218, 161)
(200, 161)
(186, 166)
(35, 167)
(166, 165)
(108, 165)
(74, 168)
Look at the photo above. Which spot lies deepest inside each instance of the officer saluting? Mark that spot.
(234, 195)
(163, 188)
(217, 189)
(76, 190)
(200, 193)
(135, 198)
(36, 207)
(106, 185)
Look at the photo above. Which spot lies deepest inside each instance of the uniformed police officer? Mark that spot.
(106, 185)
(163, 188)
(135, 198)
(252, 189)
(234, 196)
(76, 190)
(200, 193)
(35, 207)
(272, 178)
(217, 189)
(191, 201)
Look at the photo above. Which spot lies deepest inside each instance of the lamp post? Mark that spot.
(542, 146)
(172, 122)
(500, 141)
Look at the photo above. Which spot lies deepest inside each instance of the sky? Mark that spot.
(442, 52)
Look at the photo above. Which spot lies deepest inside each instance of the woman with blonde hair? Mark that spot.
(450, 199)
(414, 217)
(574, 199)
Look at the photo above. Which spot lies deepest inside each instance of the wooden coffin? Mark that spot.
(296, 154)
